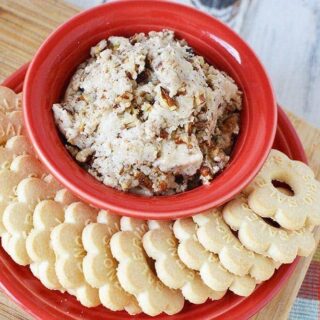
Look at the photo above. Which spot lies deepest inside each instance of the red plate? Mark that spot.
(31, 295)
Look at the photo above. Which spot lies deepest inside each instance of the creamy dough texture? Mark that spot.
(145, 113)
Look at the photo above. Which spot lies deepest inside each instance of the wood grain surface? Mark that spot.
(25, 24)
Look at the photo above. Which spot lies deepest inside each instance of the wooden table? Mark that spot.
(23, 26)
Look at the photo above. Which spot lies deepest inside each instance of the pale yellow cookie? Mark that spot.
(20, 168)
(135, 272)
(15, 146)
(216, 236)
(196, 257)
(11, 119)
(18, 101)
(11, 124)
(254, 233)
(99, 266)
(66, 241)
(47, 215)
(18, 145)
(290, 211)
(161, 245)
(18, 215)
(9, 100)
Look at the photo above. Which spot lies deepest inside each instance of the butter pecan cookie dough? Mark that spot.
(146, 114)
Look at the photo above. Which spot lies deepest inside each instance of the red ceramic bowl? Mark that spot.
(19, 283)
(69, 45)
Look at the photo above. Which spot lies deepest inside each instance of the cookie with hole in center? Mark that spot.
(290, 211)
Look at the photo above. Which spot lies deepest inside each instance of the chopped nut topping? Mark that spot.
(84, 155)
(129, 75)
(163, 134)
(143, 77)
(147, 114)
(170, 102)
(144, 180)
(163, 186)
(231, 124)
(205, 171)
(201, 100)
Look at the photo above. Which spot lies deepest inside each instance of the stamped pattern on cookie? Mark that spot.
(11, 119)
(99, 266)
(18, 215)
(161, 245)
(257, 235)
(11, 124)
(66, 241)
(216, 236)
(47, 215)
(135, 271)
(196, 257)
(9, 100)
(292, 212)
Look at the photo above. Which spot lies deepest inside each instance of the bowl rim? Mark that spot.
(158, 207)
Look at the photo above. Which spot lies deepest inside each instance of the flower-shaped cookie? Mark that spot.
(196, 257)
(9, 100)
(136, 275)
(161, 245)
(216, 236)
(66, 241)
(18, 215)
(15, 146)
(290, 211)
(99, 266)
(11, 120)
(257, 235)
(11, 124)
(47, 215)
(20, 168)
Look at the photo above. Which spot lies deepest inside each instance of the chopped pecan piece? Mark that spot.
(129, 75)
(230, 124)
(189, 128)
(178, 140)
(200, 100)
(182, 91)
(84, 155)
(163, 186)
(127, 96)
(143, 76)
(201, 124)
(169, 101)
(205, 171)
(164, 134)
(144, 180)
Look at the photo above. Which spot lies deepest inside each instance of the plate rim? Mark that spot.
(243, 310)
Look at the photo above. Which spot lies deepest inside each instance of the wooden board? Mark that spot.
(23, 26)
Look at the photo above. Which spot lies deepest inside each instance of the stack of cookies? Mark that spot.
(149, 266)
